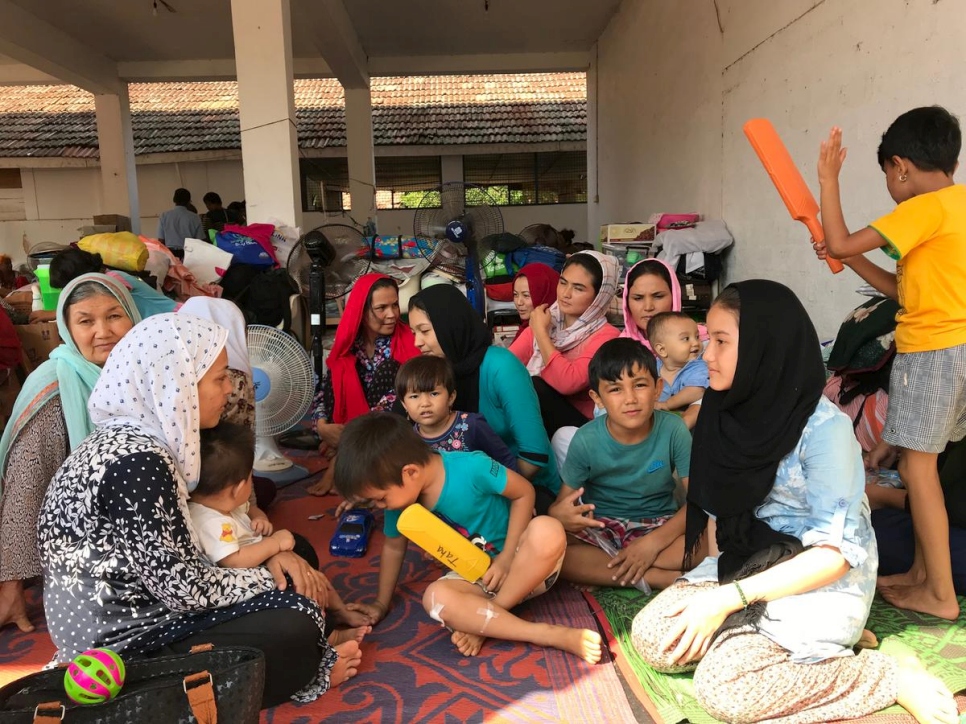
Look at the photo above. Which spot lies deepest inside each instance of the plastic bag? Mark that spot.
(121, 250)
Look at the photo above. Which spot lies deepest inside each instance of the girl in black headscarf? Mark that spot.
(489, 380)
(769, 622)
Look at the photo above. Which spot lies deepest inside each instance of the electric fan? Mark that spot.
(282, 373)
(344, 257)
(445, 214)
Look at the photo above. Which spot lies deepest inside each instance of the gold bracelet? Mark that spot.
(744, 601)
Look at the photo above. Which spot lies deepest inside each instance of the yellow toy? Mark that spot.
(442, 542)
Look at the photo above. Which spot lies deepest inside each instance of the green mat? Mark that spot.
(940, 645)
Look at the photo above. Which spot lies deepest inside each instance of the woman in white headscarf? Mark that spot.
(240, 408)
(121, 564)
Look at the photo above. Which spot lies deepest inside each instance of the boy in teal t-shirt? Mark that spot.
(618, 479)
(382, 459)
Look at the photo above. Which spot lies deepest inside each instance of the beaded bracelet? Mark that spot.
(744, 601)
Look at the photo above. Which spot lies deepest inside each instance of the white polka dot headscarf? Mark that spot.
(150, 381)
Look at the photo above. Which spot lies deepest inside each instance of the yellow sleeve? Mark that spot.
(910, 223)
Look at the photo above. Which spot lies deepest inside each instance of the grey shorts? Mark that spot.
(927, 400)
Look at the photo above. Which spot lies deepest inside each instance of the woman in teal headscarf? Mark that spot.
(50, 419)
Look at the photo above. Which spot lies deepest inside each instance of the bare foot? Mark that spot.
(867, 640)
(13, 606)
(924, 696)
(342, 635)
(325, 484)
(921, 599)
(586, 588)
(348, 664)
(349, 618)
(466, 643)
(583, 642)
(913, 577)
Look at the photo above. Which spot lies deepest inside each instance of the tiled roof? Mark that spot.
(177, 117)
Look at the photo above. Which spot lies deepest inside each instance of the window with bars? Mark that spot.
(402, 182)
(522, 179)
(325, 184)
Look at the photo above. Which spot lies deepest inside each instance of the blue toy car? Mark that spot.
(351, 537)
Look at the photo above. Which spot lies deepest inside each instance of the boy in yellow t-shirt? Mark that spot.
(926, 235)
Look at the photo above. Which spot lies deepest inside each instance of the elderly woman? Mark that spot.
(49, 420)
(370, 345)
(122, 568)
(240, 409)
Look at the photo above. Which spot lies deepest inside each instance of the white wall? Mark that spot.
(58, 201)
(671, 111)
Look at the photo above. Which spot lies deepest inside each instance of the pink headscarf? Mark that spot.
(630, 325)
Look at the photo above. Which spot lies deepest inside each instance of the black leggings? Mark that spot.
(288, 638)
(555, 409)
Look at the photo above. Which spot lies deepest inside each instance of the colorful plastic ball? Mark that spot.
(94, 677)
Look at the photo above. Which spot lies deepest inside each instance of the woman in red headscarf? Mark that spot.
(533, 285)
(371, 343)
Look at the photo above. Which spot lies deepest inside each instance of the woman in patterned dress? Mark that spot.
(370, 345)
(768, 623)
(122, 568)
(50, 419)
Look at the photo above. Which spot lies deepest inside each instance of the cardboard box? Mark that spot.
(22, 300)
(38, 341)
(627, 233)
(696, 293)
(119, 222)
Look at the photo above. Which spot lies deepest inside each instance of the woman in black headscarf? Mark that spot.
(768, 624)
(490, 380)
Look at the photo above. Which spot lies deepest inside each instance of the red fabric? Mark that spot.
(350, 399)
(543, 281)
(10, 350)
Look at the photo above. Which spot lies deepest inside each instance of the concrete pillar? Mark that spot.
(362, 164)
(593, 199)
(266, 99)
(451, 168)
(115, 140)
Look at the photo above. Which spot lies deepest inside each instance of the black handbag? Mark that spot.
(205, 683)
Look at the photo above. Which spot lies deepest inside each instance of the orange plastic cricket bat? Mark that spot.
(787, 179)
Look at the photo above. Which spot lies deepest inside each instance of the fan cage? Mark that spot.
(289, 368)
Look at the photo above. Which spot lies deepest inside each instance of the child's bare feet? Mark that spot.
(348, 664)
(342, 635)
(924, 696)
(349, 617)
(920, 598)
(466, 643)
(583, 642)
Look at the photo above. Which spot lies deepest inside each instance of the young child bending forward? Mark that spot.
(383, 460)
